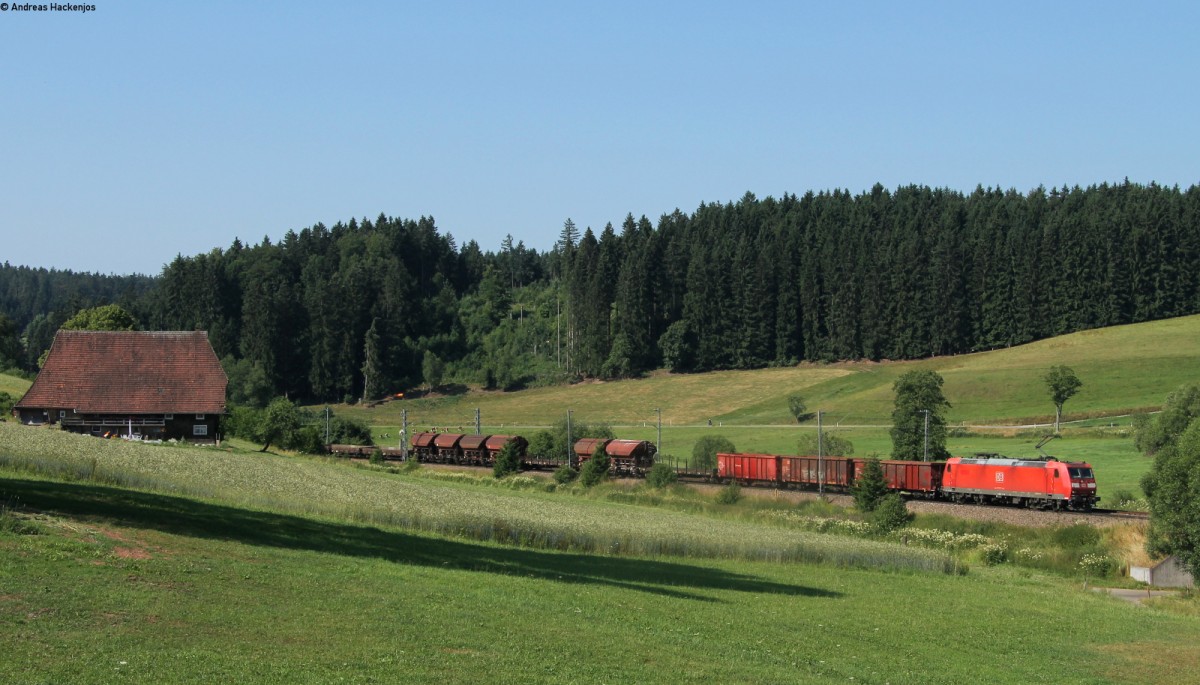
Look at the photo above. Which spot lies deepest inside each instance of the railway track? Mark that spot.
(1118, 513)
(977, 512)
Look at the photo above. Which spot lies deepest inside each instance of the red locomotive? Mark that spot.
(1037, 483)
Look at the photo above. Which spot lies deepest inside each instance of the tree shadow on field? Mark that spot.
(182, 516)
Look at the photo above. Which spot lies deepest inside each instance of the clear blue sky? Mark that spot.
(147, 129)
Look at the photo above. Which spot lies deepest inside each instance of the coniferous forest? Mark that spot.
(366, 308)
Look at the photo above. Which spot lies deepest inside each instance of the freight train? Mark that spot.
(1046, 483)
(987, 479)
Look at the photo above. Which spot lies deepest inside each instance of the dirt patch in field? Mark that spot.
(131, 553)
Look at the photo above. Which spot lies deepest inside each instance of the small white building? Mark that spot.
(1169, 572)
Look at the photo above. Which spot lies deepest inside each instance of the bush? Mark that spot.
(993, 554)
(308, 440)
(871, 487)
(832, 445)
(344, 431)
(704, 454)
(6, 404)
(241, 422)
(660, 476)
(730, 494)
(797, 407)
(376, 456)
(1095, 565)
(507, 461)
(594, 470)
(565, 474)
(891, 514)
(542, 445)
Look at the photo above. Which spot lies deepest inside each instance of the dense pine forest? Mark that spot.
(366, 308)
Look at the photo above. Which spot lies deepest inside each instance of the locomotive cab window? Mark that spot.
(1078, 472)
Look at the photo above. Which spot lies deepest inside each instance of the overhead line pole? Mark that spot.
(404, 434)
(658, 444)
(820, 456)
(570, 454)
(926, 457)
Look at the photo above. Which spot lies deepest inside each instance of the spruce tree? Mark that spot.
(870, 486)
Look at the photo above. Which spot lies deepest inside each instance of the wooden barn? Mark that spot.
(153, 385)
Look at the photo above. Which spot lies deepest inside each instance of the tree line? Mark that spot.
(368, 308)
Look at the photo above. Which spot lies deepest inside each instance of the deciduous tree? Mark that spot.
(797, 407)
(704, 453)
(109, 317)
(1173, 488)
(1063, 384)
(278, 422)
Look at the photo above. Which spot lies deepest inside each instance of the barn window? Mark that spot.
(62, 413)
(199, 417)
(200, 429)
(168, 417)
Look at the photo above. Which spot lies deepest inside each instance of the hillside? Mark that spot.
(1124, 369)
(178, 564)
(13, 385)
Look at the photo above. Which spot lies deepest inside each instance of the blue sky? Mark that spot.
(144, 130)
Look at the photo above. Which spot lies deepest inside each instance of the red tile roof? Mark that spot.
(130, 372)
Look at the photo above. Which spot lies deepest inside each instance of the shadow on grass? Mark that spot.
(182, 516)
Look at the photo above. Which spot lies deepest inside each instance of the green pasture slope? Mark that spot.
(14, 385)
(132, 563)
(1125, 370)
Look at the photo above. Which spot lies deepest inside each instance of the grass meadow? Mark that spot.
(999, 401)
(124, 562)
(141, 563)
(1124, 369)
(14, 385)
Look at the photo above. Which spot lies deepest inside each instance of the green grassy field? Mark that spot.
(124, 562)
(227, 595)
(13, 385)
(1124, 369)
(140, 563)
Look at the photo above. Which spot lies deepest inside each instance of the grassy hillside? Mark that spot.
(1124, 369)
(227, 566)
(230, 595)
(13, 385)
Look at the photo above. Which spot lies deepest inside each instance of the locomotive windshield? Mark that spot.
(1081, 472)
